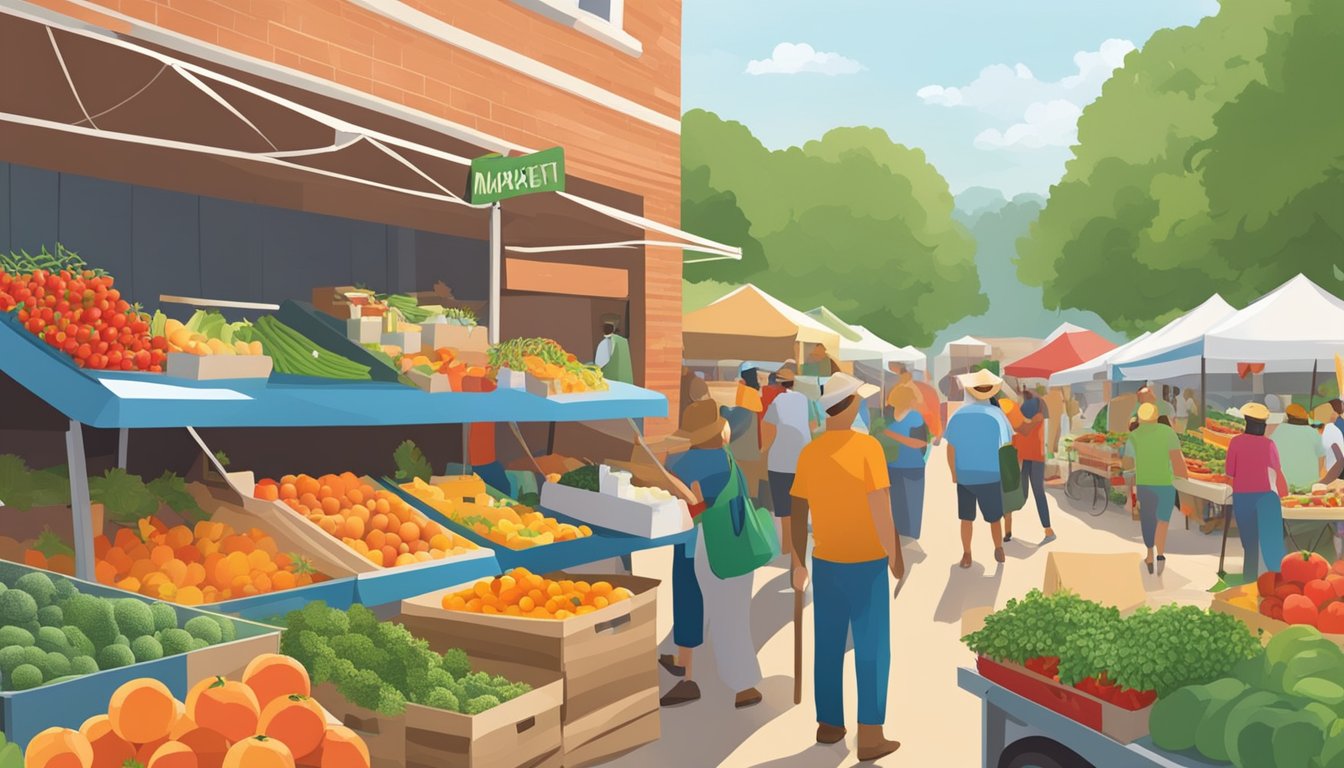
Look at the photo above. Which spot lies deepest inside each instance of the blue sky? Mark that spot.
(918, 68)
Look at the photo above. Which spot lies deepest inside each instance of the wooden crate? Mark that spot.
(607, 659)
(1123, 725)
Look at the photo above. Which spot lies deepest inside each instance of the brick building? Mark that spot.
(600, 78)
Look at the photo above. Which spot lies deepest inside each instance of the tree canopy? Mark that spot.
(1212, 162)
(853, 220)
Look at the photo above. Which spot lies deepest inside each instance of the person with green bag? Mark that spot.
(976, 435)
(712, 576)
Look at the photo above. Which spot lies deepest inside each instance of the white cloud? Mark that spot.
(1046, 124)
(792, 58)
(1037, 110)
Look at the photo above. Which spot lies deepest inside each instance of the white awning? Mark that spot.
(1175, 349)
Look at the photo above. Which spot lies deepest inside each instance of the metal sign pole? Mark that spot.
(80, 508)
(496, 270)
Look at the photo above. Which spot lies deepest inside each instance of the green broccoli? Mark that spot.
(35, 656)
(227, 631)
(204, 628)
(79, 642)
(134, 618)
(93, 616)
(122, 640)
(17, 608)
(57, 666)
(478, 684)
(39, 586)
(362, 620)
(114, 656)
(364, 688)
(15, 636)
(479, 704)
(61, 679)
(326, 622)
(83, 665)
(442, 698)
(439, 678)
(25, 676)
(512, 691)
(10, 658)
(360, 651)
(165, 616)
(197, 644)
(51, 616)
(65, 589)
(456, 662)
(311, 651)
(146, 648)
(175, 641)
(52, 639)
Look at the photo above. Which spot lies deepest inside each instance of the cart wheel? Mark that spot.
(1073, 488)
(1100, 490)
(1040, 752)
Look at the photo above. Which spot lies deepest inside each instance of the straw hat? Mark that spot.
(785, 374)
(841, 386)
(1148, 413)
(701, 422)
(1297, 411)
(1255, 411)
(981, 378)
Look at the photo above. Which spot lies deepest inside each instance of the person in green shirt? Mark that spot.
(613, 353)
(1302, 455)
(1153, 452)
(1164, 409)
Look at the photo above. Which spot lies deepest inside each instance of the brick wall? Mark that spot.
(341, 42)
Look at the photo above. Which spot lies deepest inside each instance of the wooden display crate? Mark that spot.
(1233, 602)
(184, 365)
(607, 660)
(1123, 725)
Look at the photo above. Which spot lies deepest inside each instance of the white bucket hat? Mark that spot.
(842, 385)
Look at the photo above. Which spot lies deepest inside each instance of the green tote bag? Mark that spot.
(1010, 476)
(730, 550)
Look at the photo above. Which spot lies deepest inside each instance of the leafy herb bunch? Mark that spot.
(1038, 625)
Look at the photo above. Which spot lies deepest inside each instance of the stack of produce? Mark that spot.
(50, 632)
(547, 360)
(1125, 661)
(1318, 496)
(10, 754)
(206, 564)
(380, 666)
(1306, 590)
(523, 593)
(74, 309)
(1204, 461)
(418, 313)
(296, 354)
(266, 720)
(374, 522)
(584, 478)
(501, 521)
(1279, 708)
(206, 333)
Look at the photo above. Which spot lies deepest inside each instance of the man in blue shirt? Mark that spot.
(974, 435)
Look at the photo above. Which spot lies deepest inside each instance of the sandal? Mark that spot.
(669, 662)
(681, 693)
(966, 560)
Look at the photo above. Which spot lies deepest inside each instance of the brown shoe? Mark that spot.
(669, 662)
(873, 744)
(683, 692)
(830, 734)
(747, 698)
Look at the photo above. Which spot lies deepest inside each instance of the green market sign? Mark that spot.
(495, 178)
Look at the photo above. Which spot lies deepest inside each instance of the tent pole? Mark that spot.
(1312, 394)
(496, 269)
(1203, 396)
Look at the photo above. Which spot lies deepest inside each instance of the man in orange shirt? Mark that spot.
(1028, 421)
(842, 482)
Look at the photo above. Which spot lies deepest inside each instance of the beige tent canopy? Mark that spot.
(750, 324)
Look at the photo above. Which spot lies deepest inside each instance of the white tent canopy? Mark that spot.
(1174, 350)
(1097, 366)
(1295, 325)
(872, 347)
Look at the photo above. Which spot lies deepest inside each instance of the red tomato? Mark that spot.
(1301, 567)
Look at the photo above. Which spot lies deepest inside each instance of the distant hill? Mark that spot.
(1014, 309)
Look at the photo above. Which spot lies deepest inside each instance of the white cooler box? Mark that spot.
(636, 518)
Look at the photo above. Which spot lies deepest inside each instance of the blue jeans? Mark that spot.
(688, 604)
(1033, 484)
(845, 596)
(1260, 522)
(907, 499)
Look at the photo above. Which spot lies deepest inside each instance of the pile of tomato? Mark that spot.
(84, 316)
(1100, 687)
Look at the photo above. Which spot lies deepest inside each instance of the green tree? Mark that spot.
(852, 220)
(1211, 162)
(707, 212)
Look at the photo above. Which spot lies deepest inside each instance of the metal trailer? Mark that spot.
(1018, 733)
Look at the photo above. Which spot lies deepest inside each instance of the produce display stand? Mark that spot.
(1015, 728)
(1091, 470)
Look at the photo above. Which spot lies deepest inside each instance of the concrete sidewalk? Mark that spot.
(936, 723)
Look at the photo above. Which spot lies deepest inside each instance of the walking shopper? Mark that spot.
(1153, 453)
(1029, 439)
(787, 429)
(701, 600)
(1332, 438)
(926, 402)
(842, 483)
(974, 435)
(1251, 458)
(1302, 454)
(613, 352)
(906, 427)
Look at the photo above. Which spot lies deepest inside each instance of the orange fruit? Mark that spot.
(59, 748)
(173, 754)
(142, 710)
(109, 749)
(274, 676)
(224, 706)
(296, 720)
(259, 752)
(343, 748)
(209, 746)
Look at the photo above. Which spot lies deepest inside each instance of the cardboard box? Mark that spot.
(1109, 579)
(542, 387)
(334, 301)
(364, 330)
(463, 338)
(385, 736)
(430, 382)
(508, 378)
(1227, 602)
(406, 340)
(184, 365)
(636, 518)
(607, 659)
